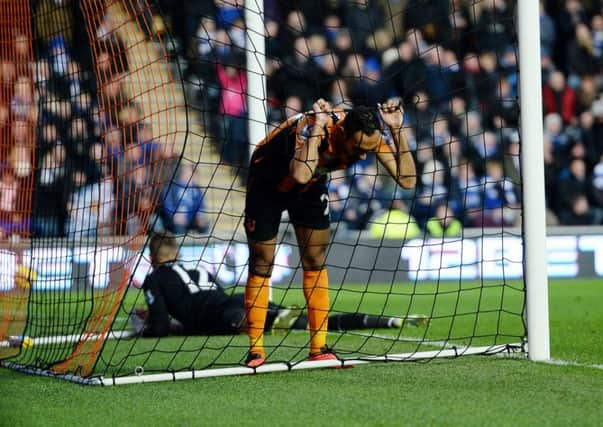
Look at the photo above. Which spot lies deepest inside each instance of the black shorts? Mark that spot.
(264, 205)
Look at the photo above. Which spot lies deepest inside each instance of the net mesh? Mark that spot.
(17, 114)
(109, 108)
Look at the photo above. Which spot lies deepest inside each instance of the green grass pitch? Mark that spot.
(465, 391)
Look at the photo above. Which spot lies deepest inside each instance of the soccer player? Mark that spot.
(184, 301)
(288, 171)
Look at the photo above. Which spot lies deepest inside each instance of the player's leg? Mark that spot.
(262, 218)
(355, 321)
(281, 319)
(351, 321)
(232, 318)
(257, 291)
(313, 246)
(309, 212)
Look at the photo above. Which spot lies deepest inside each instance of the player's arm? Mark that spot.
(305, 160)
(158, 318)
(399, 163)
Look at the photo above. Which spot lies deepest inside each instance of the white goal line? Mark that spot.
(571, 363)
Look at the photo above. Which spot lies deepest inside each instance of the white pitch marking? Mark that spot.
(570, 363)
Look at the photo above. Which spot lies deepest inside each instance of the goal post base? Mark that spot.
(271, 367)
(287, 367)
(48, 373)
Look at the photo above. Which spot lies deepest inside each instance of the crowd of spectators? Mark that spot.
(99, 170)
(453, 65)
(16, 100)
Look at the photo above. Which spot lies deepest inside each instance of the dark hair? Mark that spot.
(361, 118)
(162, 240)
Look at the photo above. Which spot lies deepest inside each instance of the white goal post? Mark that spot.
(532, 168)
(256, 66)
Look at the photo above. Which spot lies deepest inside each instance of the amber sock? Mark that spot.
(256, 307)
(316, 291)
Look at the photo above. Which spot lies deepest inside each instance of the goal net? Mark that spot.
(121, 119)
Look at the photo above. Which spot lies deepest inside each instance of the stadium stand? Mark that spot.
(312, 53)
(309, 53)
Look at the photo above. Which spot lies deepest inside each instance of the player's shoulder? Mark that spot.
(150, 281)
(159, 275)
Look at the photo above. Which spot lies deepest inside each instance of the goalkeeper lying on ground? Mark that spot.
(184, 301)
